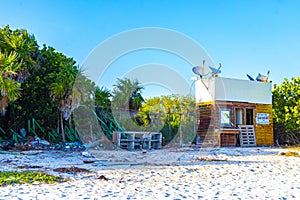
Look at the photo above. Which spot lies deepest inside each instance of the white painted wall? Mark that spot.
(205, 90)
(228, 89)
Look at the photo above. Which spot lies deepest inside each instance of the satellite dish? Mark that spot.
(250, 78)
(199, 71)
(215, 71)
(263, 78)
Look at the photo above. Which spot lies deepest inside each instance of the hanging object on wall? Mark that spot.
(262, 118)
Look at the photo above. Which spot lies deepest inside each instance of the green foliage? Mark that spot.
(18, 50)
(131, 112)
(126, 90)
(23, 45)
(102, 98)
(46, 86)
(126, 101)
(167, 114)
(286, 110)
(175, 113)
(60, 89)
(104, 113)
(44, 77)
(7, 178)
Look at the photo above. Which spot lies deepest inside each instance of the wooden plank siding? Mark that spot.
(208, 121)
(264, 132)
(206, 125)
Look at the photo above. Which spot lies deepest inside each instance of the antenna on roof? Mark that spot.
(260, 77)
(199, 70)
(268, 75)
(250, 78)
(263, 78)
(215, 71)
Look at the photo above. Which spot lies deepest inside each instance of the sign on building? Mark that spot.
(262, 118)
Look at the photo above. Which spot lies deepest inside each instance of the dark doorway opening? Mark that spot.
(249, 116)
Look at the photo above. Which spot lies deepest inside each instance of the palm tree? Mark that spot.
(126, 89)
(102, 97)
(9, 86)
(62, 92)
(66, 98)
(17, 50)
(127, 98)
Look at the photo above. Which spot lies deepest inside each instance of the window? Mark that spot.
(238, 116)
(225, 117)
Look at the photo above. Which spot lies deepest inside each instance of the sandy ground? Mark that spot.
(186, 173)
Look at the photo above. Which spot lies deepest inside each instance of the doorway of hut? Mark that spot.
(249, 116)
(244, 120)
(243, 116)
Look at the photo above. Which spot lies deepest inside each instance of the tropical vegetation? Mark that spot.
(42, 90)
(29, 177)
(47, 95)
(286, 111)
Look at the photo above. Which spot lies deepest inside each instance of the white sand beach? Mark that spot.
(188, 173)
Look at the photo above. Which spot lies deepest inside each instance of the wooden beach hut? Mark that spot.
(234, 112)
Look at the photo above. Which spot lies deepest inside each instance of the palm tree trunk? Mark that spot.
(62, 127)
(58, 122)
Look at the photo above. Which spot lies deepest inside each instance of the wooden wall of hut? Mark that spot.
(208, 121)
(264, 132)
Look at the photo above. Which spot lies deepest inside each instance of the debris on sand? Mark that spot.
(29, 167)
(71, 169)
(31, 152)
(211, 159)
(102, 177)
(289, 153)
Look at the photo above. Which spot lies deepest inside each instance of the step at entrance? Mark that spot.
(247, 136)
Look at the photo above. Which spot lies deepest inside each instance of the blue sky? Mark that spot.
(245, 36)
